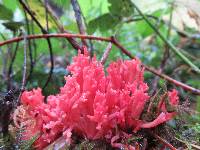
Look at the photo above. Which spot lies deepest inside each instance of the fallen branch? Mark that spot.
(116, 43)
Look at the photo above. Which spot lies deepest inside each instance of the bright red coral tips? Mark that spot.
(92, 104)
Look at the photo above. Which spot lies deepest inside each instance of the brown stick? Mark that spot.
(79, 21)
(58, 35)
(106, 53)
(26, 8)
(55, 18)
(117, 44)
(152, 70)
(166, 55)
(163, 141)
(24, 69)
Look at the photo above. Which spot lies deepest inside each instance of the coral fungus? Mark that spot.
(92, 104)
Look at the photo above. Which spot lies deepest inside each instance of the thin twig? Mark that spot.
(162, 141)
(25, 63)
(30, 48)
(33, 43)
(117, 44)
(5, 58)
(145, 144)
(171, 46)
(48, 41)
(26, 8)
(106, 53)
(50, 47)
(57, 35)
(79, 21)
(46, 16)
(11, 66)
(187, 143)
(152, 70)
(71, 40)
(179, 32)
(24, 69)
(165, 56)
(52, 64)
(3, 64)
(91, 48)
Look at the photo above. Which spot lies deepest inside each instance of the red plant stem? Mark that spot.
(163, 141)
(177, 83)
(116, 43)
(59, 35)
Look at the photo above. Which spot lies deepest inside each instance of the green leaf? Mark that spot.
(121, 8)
(117, 11)
(63, 4)
(198, 104)
(103, 23)
(92, 9)
(11, 4)
(39, 11)
(150, 6)
(194, 82)
(5, 13)
(142, 29)
(13, 26)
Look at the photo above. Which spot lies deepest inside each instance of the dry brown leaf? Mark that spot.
(186, 14)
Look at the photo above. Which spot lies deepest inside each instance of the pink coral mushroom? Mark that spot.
(91, 103)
